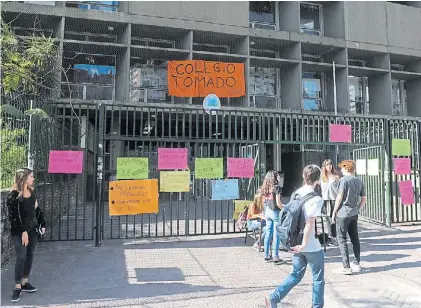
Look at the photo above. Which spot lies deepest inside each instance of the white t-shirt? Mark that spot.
(313, 208)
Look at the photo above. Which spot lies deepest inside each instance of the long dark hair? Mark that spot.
(20, 179)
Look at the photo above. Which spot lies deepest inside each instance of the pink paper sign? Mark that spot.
(340, 133)
(402, 166)
(240, 168)
(65, 162)
(407, 192)
(172, 159)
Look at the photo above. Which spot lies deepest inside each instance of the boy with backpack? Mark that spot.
(297, 232)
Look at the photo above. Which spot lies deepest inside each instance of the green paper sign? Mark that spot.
(209, 168)
(132, 168)
(401, 147)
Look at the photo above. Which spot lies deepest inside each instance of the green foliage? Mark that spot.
(13, 154)
(28, 63)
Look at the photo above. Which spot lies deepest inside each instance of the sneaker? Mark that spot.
(355, 268)
(27, 287)
(268, 259)
(16, 295)
(342, 271)
(278, 261)
(334, 242)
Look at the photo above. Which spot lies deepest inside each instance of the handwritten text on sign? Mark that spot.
(209, 168)
(132, 197)
(225, 189)
(401, 147)
(172, 159)
(197, 78)
(407, 192)
(65, 162)
(340, 133)
(240, 167)
(402, 166)
(174, 181)
(239, 206)
(132, 168)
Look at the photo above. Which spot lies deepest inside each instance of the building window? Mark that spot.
(358, 98)
(398, 97)
(312, 91)
(263, 87)
(311, 18)
(262, 14)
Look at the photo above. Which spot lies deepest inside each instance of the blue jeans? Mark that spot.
(299, 263)
(255, 225)
(272, 234)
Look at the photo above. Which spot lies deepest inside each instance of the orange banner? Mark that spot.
(197, 78)
(132, 197)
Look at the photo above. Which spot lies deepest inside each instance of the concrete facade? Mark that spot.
(378, 41)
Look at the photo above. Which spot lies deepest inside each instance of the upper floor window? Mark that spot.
(398, 97)
(359, 100)
(311, 18)
(262, 14)
(312, 91)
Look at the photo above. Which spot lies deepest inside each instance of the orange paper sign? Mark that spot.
(197, 78)
(132, 197)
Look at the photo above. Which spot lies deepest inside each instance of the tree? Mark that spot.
(29, 69)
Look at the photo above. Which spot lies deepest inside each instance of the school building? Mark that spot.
(285, 71)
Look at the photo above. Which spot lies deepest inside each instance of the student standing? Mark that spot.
(351, 198)
(329, 185)
(310, 251)
(271, 198)
(25, 218)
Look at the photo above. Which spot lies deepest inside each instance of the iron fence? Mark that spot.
(77, 205)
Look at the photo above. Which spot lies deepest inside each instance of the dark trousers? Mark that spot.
(328, 209)
(24, 256)
(348, 225)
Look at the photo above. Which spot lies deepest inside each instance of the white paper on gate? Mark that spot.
(360, 166)
(373, 167)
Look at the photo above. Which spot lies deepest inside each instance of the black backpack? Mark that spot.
(292, 220)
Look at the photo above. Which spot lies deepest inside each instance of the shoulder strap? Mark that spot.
(307, 197)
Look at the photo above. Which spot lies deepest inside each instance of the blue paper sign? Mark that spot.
(225, 189)
(211, 102)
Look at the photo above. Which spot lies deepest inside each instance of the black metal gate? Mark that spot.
(77, 205)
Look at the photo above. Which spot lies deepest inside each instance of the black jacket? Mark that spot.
(18, 223)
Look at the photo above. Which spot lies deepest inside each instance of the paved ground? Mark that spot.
(216, 271)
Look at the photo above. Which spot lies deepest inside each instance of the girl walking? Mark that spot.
(26, 221)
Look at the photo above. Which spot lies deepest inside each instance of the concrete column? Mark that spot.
(289, 16)
(122, 79)
(380, 92)
(291, 88)
(413, 94)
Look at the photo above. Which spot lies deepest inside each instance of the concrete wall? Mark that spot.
(403, 26)
(366, 22)
(223, 12)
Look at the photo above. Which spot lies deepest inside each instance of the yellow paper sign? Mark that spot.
(132, 168)
(239, 206)
(209, 168)
(174, 181)
(132, 197)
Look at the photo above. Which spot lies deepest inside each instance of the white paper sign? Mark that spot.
(373, 167)
(361, 166)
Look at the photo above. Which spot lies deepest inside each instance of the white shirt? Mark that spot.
(312, 208)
